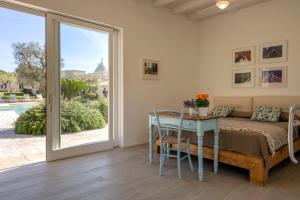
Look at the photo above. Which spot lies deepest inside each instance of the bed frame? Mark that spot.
(257, 170)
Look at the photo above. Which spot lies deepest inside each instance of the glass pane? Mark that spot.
(84, 83)
(22, 89)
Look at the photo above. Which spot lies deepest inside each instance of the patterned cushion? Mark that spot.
(266, 114)
(221, 111)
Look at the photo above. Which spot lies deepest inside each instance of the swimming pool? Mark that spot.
(18, 108)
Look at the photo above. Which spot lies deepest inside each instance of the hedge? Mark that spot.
(18, 94)
(32, 122)
(75, 117)
(101, 105)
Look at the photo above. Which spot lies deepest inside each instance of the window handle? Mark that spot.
(50, 102)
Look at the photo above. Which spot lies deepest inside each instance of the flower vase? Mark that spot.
(193, 111)
(203, 111)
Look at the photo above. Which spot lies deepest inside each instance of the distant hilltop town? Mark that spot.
(100, 74)
(99, 78)
(100, 71)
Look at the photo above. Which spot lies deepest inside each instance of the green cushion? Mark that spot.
(266, 114)
(222, 111)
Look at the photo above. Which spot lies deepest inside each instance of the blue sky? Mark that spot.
(81, 49)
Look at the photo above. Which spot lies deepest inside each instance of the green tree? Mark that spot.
(6, 78)
(71, 88)
(31, 70)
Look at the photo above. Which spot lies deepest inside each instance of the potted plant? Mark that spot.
(191, 105)
(202, 104)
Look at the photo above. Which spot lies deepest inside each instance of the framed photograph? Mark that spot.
(272, 77)
(243, 56)
(273, 52)
(243, 78)
(150, 69)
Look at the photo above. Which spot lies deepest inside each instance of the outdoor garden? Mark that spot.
(80, 111)
(82, 105)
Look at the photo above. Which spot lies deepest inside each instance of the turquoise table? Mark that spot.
(198, 125)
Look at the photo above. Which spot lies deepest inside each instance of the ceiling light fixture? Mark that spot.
(222, 4)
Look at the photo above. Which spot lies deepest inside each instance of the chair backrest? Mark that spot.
(174, 123)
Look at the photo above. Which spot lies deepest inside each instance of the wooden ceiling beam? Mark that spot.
(200, 9)
(190, 5)
(213, 10)
(161, 3)
(201, 13)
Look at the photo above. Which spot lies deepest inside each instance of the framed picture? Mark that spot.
(272, 77)
(243, 56)
(150, 69)
(243, 78)
(273, 52)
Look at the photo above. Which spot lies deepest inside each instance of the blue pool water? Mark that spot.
(18, 108)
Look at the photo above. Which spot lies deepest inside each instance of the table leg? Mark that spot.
(216, 148)
(200, 135)
(151, 143)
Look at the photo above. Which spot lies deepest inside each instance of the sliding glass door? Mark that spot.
(79, 87)
(22, 86)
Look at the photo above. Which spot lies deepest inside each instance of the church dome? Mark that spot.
(100, 68)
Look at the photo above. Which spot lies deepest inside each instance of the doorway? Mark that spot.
(22, 87)
(61, 85)
(80, 98)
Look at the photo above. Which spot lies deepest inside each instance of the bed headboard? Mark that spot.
(245, 105)
(284, 102)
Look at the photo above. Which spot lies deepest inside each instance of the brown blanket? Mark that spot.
(246, 142)
(249, 143)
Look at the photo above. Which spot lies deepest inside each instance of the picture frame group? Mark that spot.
(269, 76)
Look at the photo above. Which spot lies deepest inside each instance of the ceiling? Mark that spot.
(201, 9)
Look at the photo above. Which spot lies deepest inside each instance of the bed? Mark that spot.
(250, 149)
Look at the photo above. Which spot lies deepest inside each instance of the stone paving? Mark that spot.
(17, 150)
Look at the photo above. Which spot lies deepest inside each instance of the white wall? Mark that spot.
(148, 33)
(195, 56)
(266, 22)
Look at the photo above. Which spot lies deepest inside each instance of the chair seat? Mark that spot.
(172, 139)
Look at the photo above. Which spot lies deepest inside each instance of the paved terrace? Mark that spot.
(17, 150)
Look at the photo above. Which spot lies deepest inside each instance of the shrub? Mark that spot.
(18, 94)
(17, 97)
(72, 88)
(32, 122)
(90, 96)
(75, 117)
(102, 106)
(29, 91)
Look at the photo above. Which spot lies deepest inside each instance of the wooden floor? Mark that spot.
(126, 175)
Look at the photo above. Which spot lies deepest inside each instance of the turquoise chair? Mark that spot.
(166, 139)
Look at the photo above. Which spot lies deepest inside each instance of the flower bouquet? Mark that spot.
(191, 105)
(198, 106)
(202, 103)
